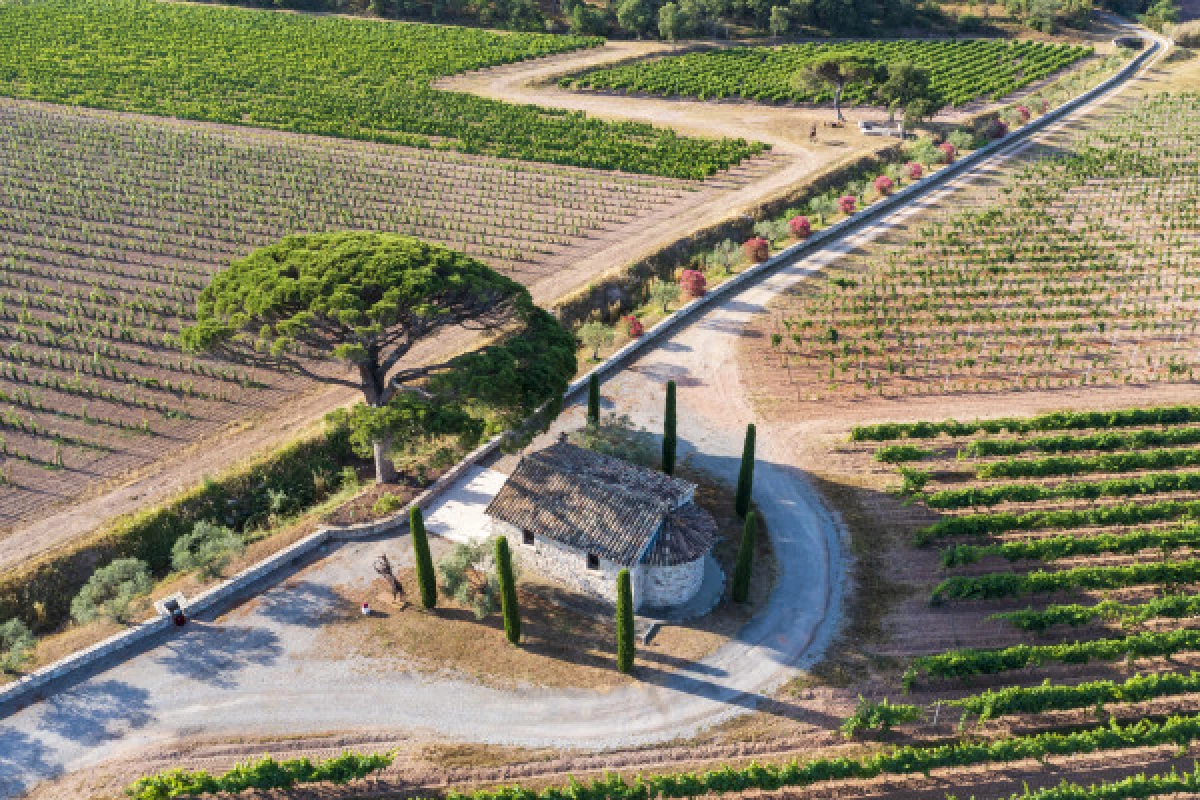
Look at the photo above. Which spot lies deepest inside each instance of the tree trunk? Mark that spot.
(837, 102)
(385, 471)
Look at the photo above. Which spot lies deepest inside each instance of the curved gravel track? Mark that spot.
(255, 672)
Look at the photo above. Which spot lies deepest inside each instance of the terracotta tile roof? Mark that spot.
(598, 504)
(690, 532)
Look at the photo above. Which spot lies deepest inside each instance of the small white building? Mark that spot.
(579, 517)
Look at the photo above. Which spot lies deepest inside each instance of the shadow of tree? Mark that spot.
(24, 762)
(215, 654)
(95, 712)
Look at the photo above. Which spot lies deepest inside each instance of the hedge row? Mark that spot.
(1125, 440)
(1011, 584)
(1135, 786)
(1174, 606)
(264, 774)
(287, 481)
(1052, 697)
(1002, 522)
(1081, 465)
(907, 760)
(1066, 546)
(975, 496)
(967, 662)
(1056, 421)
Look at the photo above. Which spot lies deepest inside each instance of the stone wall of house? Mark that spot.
(663, 587)
(564, 564)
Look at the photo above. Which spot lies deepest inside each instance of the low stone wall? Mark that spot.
(31, 687)
(666, 587)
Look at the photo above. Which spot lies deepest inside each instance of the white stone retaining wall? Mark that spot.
(564, 564)
(33, 685)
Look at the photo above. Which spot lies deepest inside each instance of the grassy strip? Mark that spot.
(1080, 465)
(1140, 785)
(975, 496)
(1056, 547)
(1128, 440)
(263, 775)
(994, 703)
(1002, 522)
(1056, 421)
(1175, 606)
(285, 482)
(967, 662)
(900, 761)
(1010, 584)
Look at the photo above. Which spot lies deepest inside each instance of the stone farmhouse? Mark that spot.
(579, 517)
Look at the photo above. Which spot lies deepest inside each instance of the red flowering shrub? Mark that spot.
(846, 203)
(1023, 113)
(800, 227)
(915, 171)
(633, 326)
(884, 185)
(948, 152)
(692, 282)
(996, 129)
(757, 249)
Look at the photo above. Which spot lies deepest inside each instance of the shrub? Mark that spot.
(996, 129)
(264, 774)
(16, 645)
(593, 400)
(757, 249)
(884, 185)
(616, 436)
(924, 151)
(846, 203)
(948, 152)
(664, 293)
(724, 256)
(800, 227)
(693, 283)
(596, 335)
(915, 171)
(387, 503)
(111, 590)
(468, 575)
(1023, 113)
(879, 716)
(633, 326)
(208, 548)
(962, 140)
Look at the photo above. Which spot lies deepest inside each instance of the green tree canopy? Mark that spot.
(907, 89)
(835, 72)
(348, 308)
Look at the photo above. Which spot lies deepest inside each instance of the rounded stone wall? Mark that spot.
(664, 587)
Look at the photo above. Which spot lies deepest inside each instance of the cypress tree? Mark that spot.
(508, 592)
(593, 409)
(426, 580)
(625, 643)
(745, 560)
(669, 440)
(745, 481)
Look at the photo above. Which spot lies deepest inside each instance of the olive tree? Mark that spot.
(111, 591)
(349, 309)
(834, 72)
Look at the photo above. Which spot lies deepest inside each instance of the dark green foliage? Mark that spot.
(324, 75)
(1174, 606)
(1001, 522)
(593, 406)
(625, 632)
(16, 645)
(670, 442)
(1056, 421)
(508, 592)
(994, 703)
(264, 774)
(306, 473)
(882, 716)
(1011, 584)
(745, 481)
(1067, 443)
(426, 578)
(744, 565)
(967, 662)
(1081, 465)
(1154, 483)
(208, 548)
(907, 760)
(111, 590)
(898, 453)
(1053, 548)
